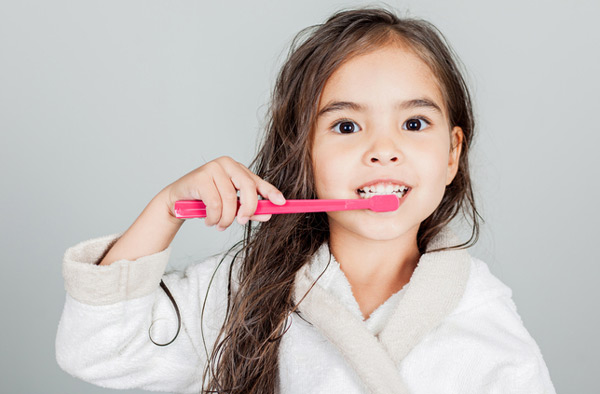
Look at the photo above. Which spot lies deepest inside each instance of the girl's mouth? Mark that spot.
(383, 188)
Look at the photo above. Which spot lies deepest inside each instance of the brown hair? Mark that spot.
(245, 356)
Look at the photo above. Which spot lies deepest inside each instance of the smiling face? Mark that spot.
(382, 124)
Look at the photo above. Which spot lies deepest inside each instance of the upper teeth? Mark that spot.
(382, 188)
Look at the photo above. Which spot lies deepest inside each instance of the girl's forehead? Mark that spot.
(390, 72)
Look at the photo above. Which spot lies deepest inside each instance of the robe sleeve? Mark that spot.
(527, 373)
(110, 311)
(502, 346)
(514, 359)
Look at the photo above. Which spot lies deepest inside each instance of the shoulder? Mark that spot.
(487, 327)
(482, 287)
(488, 313)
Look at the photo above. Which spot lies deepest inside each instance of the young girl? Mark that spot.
(338, 302)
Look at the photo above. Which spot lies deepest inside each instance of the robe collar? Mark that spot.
(433, 292)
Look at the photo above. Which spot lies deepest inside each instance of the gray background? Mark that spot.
(104, 103)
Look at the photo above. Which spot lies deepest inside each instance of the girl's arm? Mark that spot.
(103, 333)
(216, 183)
(151, 232)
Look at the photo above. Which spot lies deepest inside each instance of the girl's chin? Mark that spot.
(374, 228)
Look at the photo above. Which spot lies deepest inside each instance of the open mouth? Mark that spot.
(383, 188)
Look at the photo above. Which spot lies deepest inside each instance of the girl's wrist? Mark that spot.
(164, 198)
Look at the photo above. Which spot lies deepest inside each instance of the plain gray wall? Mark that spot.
(104, 103)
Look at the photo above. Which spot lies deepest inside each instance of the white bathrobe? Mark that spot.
(452, 329)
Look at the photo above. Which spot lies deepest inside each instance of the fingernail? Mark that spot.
(219, 228)
(243, 220)
(278, 198)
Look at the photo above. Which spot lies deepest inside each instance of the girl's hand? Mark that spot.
(216, 183)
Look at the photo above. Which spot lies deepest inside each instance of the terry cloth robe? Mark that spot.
(452, 329)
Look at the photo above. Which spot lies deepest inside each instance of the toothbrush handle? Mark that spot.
(196, 208)
(300, 206)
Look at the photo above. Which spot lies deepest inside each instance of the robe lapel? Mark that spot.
(434, 290)
(349, 334)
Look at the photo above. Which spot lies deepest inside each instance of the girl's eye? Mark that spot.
(345, 127)
(415, 124)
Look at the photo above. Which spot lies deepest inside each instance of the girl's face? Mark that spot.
(381, 121)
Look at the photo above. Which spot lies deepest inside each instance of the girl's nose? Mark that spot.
(383, 152)
(384, 158)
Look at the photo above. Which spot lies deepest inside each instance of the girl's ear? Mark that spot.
(455, 149)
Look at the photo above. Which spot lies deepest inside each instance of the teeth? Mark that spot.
(381, 188)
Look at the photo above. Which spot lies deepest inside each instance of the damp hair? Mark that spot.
(244, 358)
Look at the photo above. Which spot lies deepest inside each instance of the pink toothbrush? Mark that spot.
(185, 209)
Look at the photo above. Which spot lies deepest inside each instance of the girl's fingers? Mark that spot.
(272, 193)
(267, 190)
(212, 199)
(248, 196)
(250, 185)
(228, 196)
(228, 177)
(260, 218)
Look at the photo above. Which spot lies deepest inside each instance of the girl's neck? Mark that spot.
(375, 269)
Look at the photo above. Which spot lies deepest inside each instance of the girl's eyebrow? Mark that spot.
(421, 102)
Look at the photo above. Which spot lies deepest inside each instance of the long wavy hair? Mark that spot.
(244, 358)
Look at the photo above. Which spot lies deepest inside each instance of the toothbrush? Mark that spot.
(185, 209)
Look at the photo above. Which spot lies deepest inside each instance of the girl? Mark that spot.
(343, 302)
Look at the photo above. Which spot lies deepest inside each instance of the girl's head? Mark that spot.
(416, 127)
(382, 125)
(351, 58)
